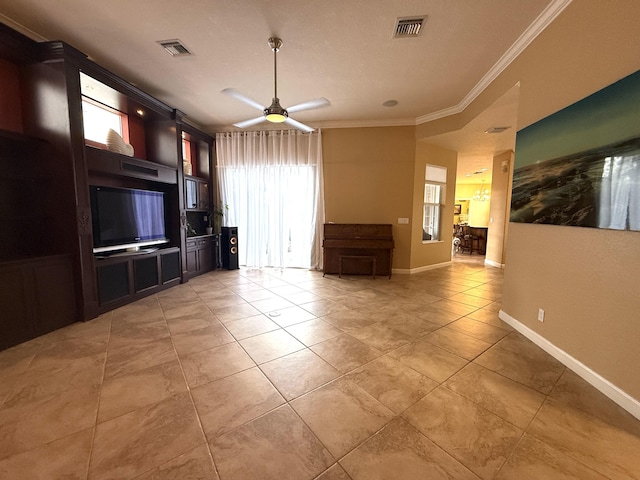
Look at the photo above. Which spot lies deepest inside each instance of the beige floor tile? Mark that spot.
(66, 458)
(302, 297)
(429, 360)
(98, 328)
(215, 363)
(489, 317)
(251, 326)
(399, 451)
(535, 460)
(194, 465)
(392, 383)
(410, 324)
(451, 306)
(520, 360)
(236, 312)
(13, 362)
(380, 336)
(256, 293)
(129, 392)
(313, 331)
(271, 304)
(269, 346)
(456, 342)
(510, 400)
(232, 401)
(175, 308)
(131, 334)
(610, 450)
(222, 302)
(194, 341)
(480, 330)
(154, 435)
(70, 349)
(576, 392)
(345, 352)
(335, 472)
(27, 425)
(478, 439)
(290, 316)
(192, 322)
(298, 373)
(50, 387)
(133, 357)
(471, 300)
(276, 446)
(287, 289)
(46, 376)
(438, 317)
(342, 415)
(347, 318)
(323, 307)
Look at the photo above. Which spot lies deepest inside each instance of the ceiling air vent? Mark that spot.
(409, 26)
(175, 48)
(496, 129)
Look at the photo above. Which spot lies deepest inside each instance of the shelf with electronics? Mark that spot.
(202, 243)
(52, 170)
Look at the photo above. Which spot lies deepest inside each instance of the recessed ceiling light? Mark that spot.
(140, 112)
(390, 103)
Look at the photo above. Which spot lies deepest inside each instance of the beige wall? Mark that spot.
(368, 178)
(582, 277)
(585, 279)
(499, 211)
(432, 253)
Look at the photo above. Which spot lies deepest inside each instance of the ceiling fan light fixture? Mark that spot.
(274, 113)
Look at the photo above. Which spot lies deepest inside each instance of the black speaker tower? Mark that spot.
(229, 247)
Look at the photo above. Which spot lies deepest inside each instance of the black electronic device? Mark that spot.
(126, 218)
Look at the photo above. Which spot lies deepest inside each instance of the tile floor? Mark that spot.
(251, 374)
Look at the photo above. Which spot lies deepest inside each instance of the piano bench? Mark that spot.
(371, 258)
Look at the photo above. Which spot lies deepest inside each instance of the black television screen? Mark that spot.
(126, 218)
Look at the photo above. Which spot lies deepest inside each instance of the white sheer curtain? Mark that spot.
(620, 193)
(273, 185)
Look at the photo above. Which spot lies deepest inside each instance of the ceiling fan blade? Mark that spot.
(248, 123)
(298, 125)
(232, 92)
(317, 103)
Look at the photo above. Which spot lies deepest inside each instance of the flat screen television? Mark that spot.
(127, 219)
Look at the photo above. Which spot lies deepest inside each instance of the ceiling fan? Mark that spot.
(275, 113)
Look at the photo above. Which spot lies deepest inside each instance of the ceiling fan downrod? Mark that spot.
(274, 112)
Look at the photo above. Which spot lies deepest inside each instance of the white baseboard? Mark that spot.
(410, 271)
(619, 396)
(493, 264)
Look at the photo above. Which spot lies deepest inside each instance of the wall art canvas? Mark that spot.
(581, 165)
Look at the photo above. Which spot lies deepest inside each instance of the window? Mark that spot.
(434, 194)
(98, 119)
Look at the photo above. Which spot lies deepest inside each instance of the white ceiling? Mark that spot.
(341, 50)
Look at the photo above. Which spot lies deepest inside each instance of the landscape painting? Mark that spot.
(581, 165)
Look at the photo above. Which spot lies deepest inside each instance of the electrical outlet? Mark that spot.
(541, 315)
(403, 221)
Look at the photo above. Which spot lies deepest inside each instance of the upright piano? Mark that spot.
(357, 248)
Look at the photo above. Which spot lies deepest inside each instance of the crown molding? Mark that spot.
(543, 20)
(22, 29)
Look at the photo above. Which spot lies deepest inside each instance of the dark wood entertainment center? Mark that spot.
(49, 275)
